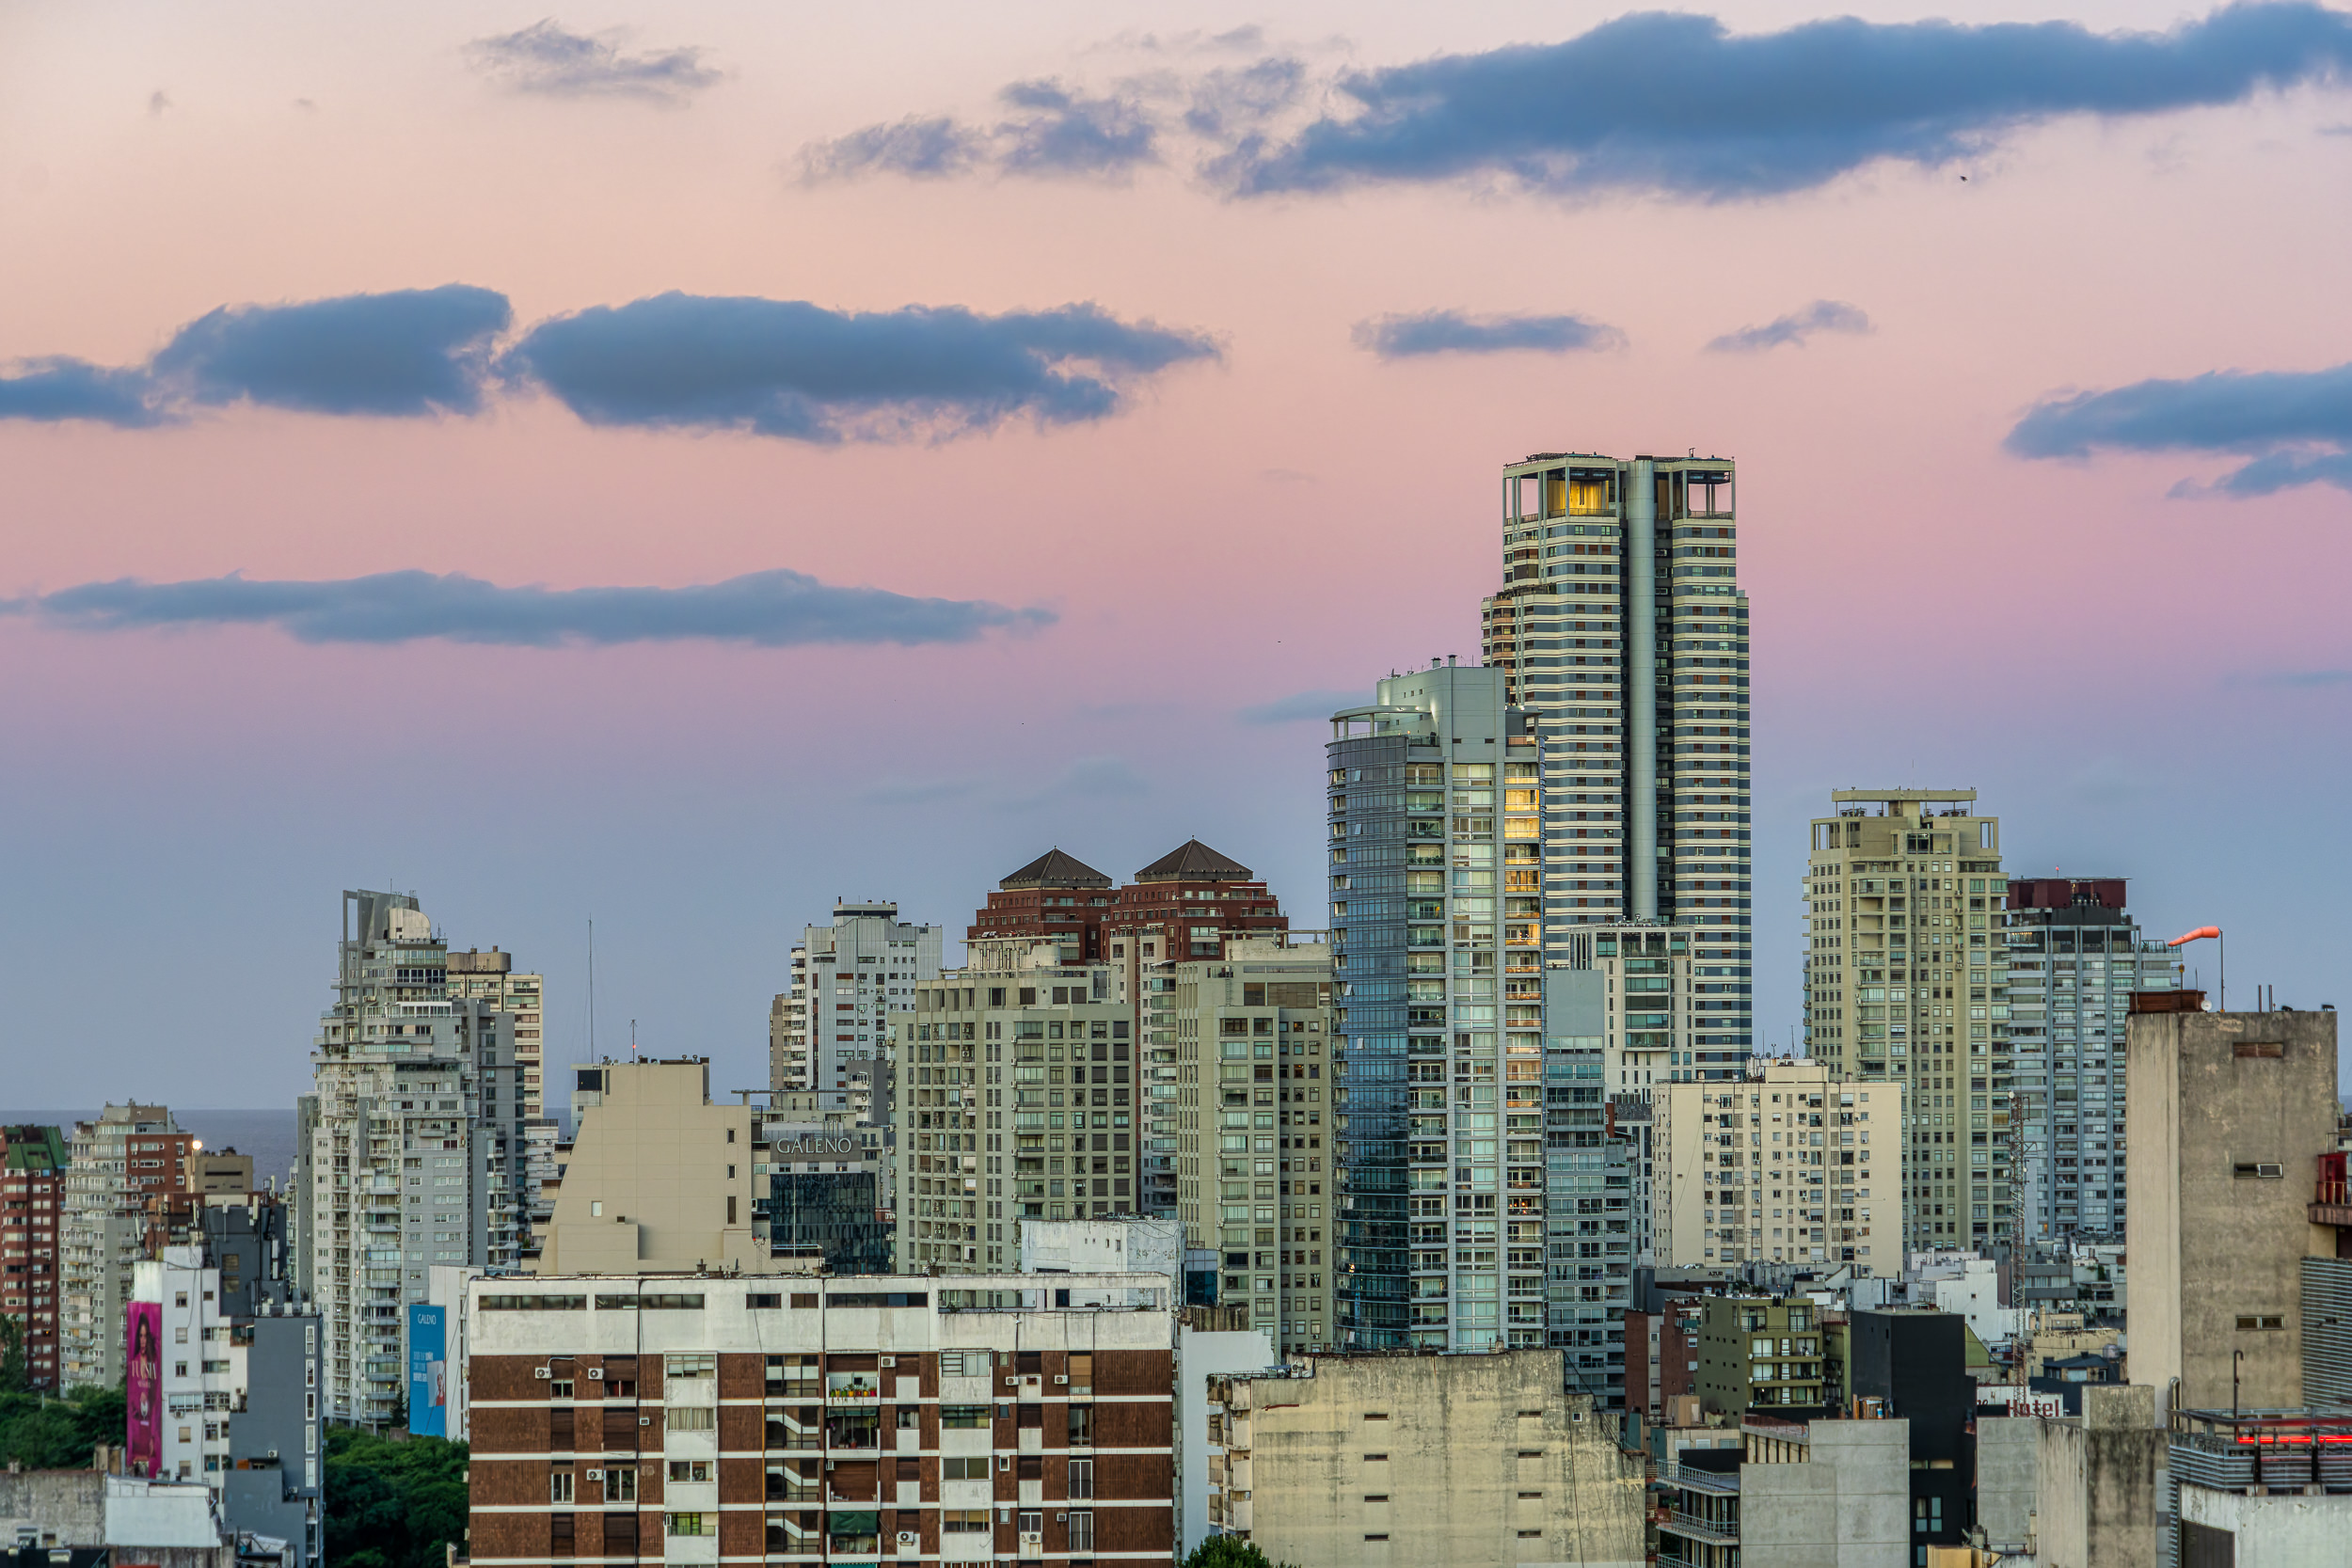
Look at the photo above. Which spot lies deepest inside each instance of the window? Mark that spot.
(692, 1524)
(1081, 1480)
(963, 1416)
(1376, 1459)
(620, 1487)
(2260, 1321)
(963, 1521)
(1082, 1426)
(1375, 1416)
(693, 1419)
(1081, 1529)
(689, 1469)
(689, 1366)
(560, 1486)
(2264, 1170)
(1376, 1496)
(969, 1467)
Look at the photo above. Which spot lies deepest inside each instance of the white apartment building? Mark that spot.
(1791, 1164)
(849, 980)
(491, 978)
(410, 1152)
(116, 1161)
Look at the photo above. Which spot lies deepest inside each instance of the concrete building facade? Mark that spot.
(1442, 1460)
(1789, 1164)
(130, 1155)
(959, 1418)
(1256, 1181)
(33, 1167)
(659, 1178)
(2230, 1113)
(1904, 965)
(1436, 941)
(1820, 1493)
(491, 978)
(1623, 632)
(408, 1153)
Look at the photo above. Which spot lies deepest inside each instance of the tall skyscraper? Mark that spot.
(1904, 968)
(118, 1162)
(410, 1153)
(2075, 956)
(853, 978)
(1622, 632)
(1436, 950)
(491, 978)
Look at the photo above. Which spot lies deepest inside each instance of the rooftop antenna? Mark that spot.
(632, 1040)
(592, 988)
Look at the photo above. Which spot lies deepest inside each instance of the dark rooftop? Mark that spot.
(1193, 862)
(1056, 869)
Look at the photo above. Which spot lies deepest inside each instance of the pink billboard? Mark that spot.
(143, 1385)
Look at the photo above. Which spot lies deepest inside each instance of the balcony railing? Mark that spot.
(1722, 1531)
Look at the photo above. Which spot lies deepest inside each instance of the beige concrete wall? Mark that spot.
(2211, 1247)
(2098, 1495)
(1479, 1450)
(651, 1173)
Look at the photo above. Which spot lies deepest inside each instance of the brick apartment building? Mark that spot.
(707, 1419)
(32, 1196)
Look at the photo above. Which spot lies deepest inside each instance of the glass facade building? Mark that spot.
(1435, 803)
(2075, 956)
(1623, 633)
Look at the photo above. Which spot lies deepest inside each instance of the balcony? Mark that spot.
(1720, 1531)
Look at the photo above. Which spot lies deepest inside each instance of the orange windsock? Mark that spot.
(2201, 932)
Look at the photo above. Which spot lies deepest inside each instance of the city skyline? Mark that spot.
(1290, 394)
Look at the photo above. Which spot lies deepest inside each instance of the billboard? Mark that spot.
(143, 1387)
(428, 1372)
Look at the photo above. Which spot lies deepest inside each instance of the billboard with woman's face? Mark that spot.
(143, 1387)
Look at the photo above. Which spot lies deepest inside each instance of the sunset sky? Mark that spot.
(1050, 401)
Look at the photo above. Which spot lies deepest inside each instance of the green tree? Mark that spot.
(1224, 1551)
(12, 1355)
(44, 1432)
(393, 1501)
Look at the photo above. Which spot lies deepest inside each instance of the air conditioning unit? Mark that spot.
(1061, 1518)
(889, 1360)
(541, 1372)
(1060, 1378)
(1010, 1383)
(596, 1475)
(273, 1454)
(908, 1538)
(645, 1420)
(596, 1374)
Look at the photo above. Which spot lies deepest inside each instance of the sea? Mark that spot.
(268, 1136)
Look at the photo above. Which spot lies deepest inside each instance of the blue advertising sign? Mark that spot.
(428, 1372)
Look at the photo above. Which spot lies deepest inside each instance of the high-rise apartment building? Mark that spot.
(1015, 1100)
(129, 1155)
(410, 1152)
(1662, 997)
(1255, 1179)
(1436, 950)
(33, 1162)
(852, 979)
(491, 978)
(1623, 634)
(1789, 1164)
(2075, 956)
(1188, 905)
(1904, 966)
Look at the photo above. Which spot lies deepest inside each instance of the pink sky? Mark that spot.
(2106, 665)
